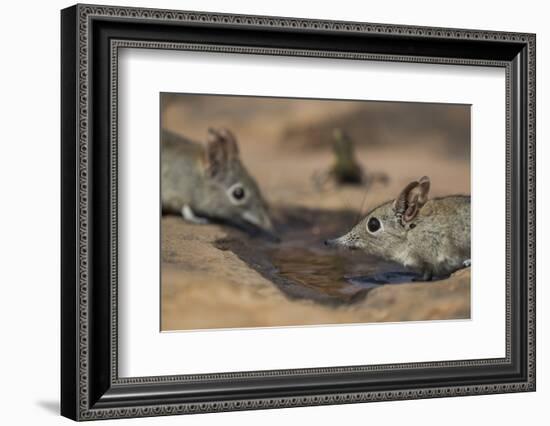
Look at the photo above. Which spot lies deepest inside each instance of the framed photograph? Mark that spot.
(263, 212)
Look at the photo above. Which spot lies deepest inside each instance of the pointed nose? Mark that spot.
(262, 222)
(336, 242)
(332, 242)
(268, 228)
(347, 241)
(267, 224)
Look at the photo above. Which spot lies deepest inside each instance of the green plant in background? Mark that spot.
(346, 169)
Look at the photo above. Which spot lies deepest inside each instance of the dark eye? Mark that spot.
(373, 224)
(238, 193)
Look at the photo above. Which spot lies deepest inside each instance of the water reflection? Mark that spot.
(344, 276)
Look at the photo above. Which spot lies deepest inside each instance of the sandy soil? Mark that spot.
(209, 280)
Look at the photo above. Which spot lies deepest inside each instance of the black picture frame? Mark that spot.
(90, 386)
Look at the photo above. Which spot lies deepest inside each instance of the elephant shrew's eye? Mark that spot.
(373, 225)
(238, 193)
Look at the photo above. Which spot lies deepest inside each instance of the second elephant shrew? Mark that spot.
(210, 183)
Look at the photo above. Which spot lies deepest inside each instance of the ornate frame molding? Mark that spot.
(87, 407)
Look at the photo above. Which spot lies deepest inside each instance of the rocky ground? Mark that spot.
(212, 277)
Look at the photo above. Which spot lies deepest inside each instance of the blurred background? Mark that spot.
(284, 142)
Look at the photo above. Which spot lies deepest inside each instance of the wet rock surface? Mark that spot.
(216, 277)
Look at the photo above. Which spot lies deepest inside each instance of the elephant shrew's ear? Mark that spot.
(411, 199)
